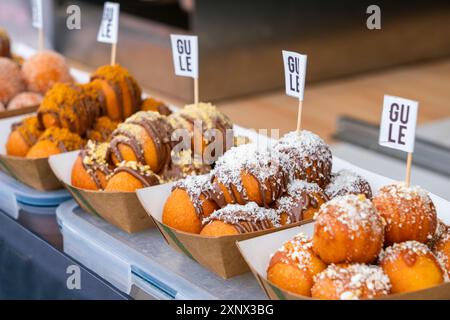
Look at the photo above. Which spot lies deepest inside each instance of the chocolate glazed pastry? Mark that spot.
(146, 179)
(93, 159)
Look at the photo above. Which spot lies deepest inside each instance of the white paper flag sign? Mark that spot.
(36, 14)
(294, 73)
(185, 55)
(398, 123)
(109, 26)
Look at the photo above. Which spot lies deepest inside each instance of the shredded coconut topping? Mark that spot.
(299, 251)
(194, 185)
(347, 182)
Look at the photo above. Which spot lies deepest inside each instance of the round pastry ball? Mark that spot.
(11, 80)
(294, 266)
(408, 211)
(411, 266)
(130, 176)
(188, 204)
(44, 69)
(306, 157)
(347, 182)
(351, 282)
(23, 136)
(151, 104)
(24, 100)
(348, 229)
(441, 250)
(54, 141)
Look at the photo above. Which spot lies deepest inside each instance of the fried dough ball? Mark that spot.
(347, 182)
(294, 266)
(182, 165)
(25, 100)
(351, 282)
(441, 250)
(45, 69)
(300, 202)
(130, 176)
(188, 204)
(5, 44)
(24, 134)
(348, 229)
(11, 80)
(151, 104)
(102, 130)
(411, 266)
(409, 213)
(236, 219)
(91, 170)
(55, 141)
(244, 174)
(306, 157)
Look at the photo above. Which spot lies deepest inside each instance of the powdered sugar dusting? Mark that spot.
(404, 248)
(347, 182)
(299, 251)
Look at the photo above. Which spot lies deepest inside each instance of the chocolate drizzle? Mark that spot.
(94, 161)
(147, 178)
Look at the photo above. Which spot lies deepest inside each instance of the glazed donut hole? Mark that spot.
(347, 182)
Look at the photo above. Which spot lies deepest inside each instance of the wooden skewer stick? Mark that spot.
(196, 99)
(299, 115)
(113, 53)
(41, 39)
(408, 169)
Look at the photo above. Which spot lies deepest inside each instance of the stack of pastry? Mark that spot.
(363, 249)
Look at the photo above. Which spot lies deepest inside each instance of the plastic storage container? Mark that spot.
(142, 264)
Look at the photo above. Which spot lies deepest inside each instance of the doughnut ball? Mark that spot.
(54, 141)
(300, 202)
(409, 213)
(24, 134)
(348, 229)
(411, 266)
(236, 219)
(102, 130)
(441, 250)
(188, 204)
(91, 170)
(5, 44)
(130, 176)
(440, 230)
(294, 266)
(245, 174)
(44, 69)
(11, 80)
(351, 282)
(25, 100)
(151, 104)
(347, 182)
(306, 157)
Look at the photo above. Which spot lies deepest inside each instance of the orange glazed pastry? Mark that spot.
(306, 157)
(11, 80)
(347, 182)
(24, 100)
(348, 229)
(144, 137)
(351, 282)
(409, 213)
(102, 130)
(182, 165)
(236, 219)
(294, 266)
(23, 135)
(151, 104)
(65, 106)
(188, 204)
(411, 266)
(441, 249)
(5, 44)
(130, 176)
(244, 174)
(45, 69)
(120, 91)
(55, 141)
(301, 201)
(90, 170)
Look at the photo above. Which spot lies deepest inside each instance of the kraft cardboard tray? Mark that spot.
(257, 252)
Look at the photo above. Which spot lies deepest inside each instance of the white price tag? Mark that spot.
(294, 73)
(109, 27)
(398, 123)
(185, 55)
(36, 14)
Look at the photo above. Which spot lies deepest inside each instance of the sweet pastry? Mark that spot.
(189, 203)
(440, 230)
(25, 100)
(11, 80)
(441, 250)
(120, 91)
(5, 44)
(294, 266)
(411, 266)
(347, 182)
(351, 282)
(348, 229)
(44, 69)
(300, 202)
(182, 165)
(91, 170)
(24, 134)
(130, 176)
(237, 219)
(408, 211)
(144, 137)
(102, 130)
(54, 141)
(306, 157)
(244, 174)
(151, 104)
